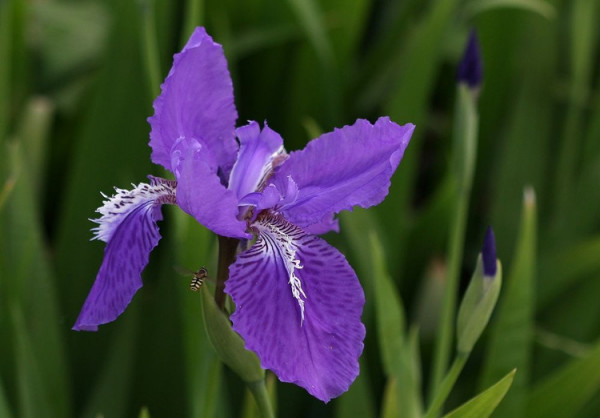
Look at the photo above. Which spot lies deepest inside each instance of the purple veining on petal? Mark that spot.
(319, 353)
(347, 167)
(201, 194)
(117, 208)
(196, 102)
(128, 225)
(327, 224)
(257, 151)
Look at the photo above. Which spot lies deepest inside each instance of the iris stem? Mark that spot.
(464, 150)
(227, 248)
(261, 396)
(446, 386)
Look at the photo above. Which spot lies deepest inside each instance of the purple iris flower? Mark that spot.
(298, 301)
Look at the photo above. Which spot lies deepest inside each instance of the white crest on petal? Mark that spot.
(275, 228)
(117, 207)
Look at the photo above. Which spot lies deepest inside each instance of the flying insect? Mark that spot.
(198, 279)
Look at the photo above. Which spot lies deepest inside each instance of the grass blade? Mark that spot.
(486, 402)
(566, 391)
(537, 6)
(397, 352)
(511, 340)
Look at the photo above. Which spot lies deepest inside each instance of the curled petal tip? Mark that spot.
(470, 69)
(488, 253)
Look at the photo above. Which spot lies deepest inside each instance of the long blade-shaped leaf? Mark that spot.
(565, 391)
(511, 337)
(486, 402)
(397, 352)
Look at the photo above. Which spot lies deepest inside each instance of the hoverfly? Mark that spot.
(198, 279)
(200, 276)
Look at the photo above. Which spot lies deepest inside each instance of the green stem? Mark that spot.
(261, 396)
(150, 47)
(465, 148)
(227, 248)
(446, 386)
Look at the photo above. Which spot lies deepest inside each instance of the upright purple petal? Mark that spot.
(347, 167)
(201, 193)
(196, 102)
(258, 150)
(128, 225)
(298, 306)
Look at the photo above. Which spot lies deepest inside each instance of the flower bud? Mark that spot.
(470, 69)
(228, 345)
(480, 298)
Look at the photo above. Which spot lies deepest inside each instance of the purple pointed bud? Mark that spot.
(470, 69)
(488, 253)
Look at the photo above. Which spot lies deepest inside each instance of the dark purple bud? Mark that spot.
(470, 69)
(488, 253)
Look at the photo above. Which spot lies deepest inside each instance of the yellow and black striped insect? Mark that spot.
(198, 279)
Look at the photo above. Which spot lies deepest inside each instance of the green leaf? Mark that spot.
(144, 413)
(537, 6)
(24, 261)
(4, 406)
(250, 408)
(486, 402)
(408, 102)
(71, 37)
(110, 396)
(6, 45)
(228, 345)
(398, 353)
(567, 389)
(358, 401)
(511, 336)
(34, 396)
(567, 267)
(389, 403)
(194, 248)
(389, 312)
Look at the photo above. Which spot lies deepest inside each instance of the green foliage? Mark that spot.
(511, 336)
(565, 391)
(77, 81)
(486, 402)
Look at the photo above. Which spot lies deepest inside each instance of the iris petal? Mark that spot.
(347, 167)
(196, 102)
(128, 225)
(258, 150)
(201, 194)
(308, 331)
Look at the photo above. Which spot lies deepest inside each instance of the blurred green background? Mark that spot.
(77, 80)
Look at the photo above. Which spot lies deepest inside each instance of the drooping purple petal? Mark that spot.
(201, 194)
(128, 225)
(298, 306)
(258, 150)
(347, 167)
(196, 102)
